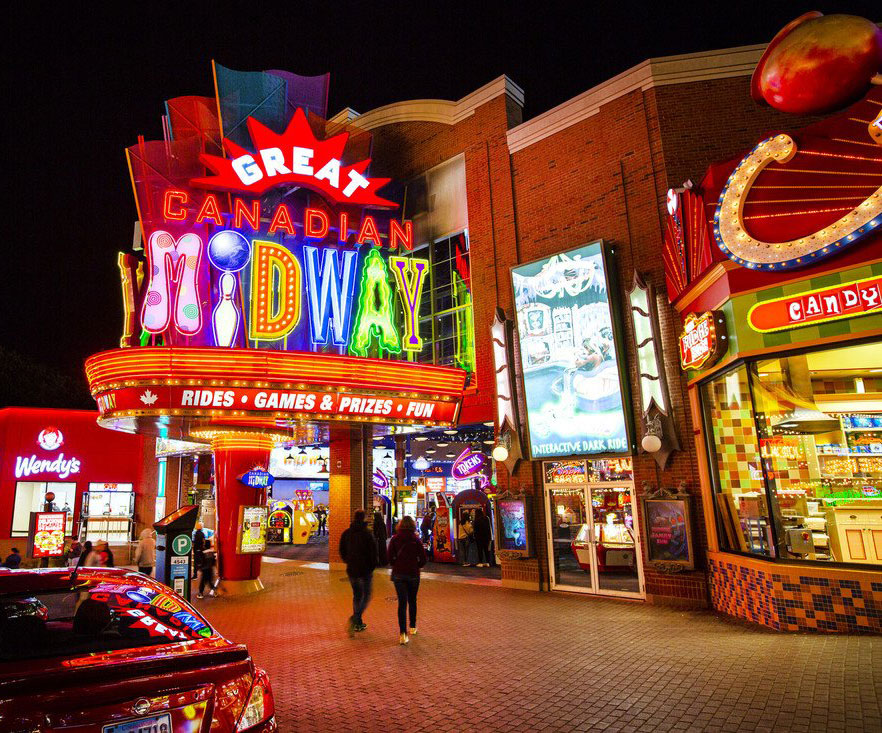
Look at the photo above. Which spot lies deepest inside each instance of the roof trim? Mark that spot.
(432, 110)
(663, 71)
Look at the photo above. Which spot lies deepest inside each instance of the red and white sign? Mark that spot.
(47, 534)
(249, 399)
(857, 298)
(50, 438)
(295, 157)
(703, 339)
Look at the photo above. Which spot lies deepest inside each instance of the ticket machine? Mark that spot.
(174, 541)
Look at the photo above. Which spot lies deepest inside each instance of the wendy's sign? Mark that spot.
(467, 464)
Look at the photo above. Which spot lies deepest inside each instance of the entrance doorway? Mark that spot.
(593, 537)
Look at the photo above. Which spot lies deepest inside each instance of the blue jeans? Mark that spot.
(361, 595)
(406, 587)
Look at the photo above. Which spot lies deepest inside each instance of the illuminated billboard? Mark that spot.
(571, 356)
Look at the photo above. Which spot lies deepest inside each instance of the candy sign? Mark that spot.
(703, 340)
(857, 298)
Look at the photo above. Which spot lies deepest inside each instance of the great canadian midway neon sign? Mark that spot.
(264, 272)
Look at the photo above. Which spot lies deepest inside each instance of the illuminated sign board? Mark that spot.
(48, 439)
(468, 464)
(257, 478)
(849, 300)
(703, 340)
(570, 355)
(46, 536)
(252, 529)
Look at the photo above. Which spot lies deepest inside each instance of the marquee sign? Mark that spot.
(295, 157)
(703, 339)
(849, 300)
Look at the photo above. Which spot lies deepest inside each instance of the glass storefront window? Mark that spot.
(742, 508)
(801, 436)
(30, 496)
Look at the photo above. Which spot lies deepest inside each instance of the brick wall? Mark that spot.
(604, 177)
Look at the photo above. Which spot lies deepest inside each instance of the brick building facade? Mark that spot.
(595, 167)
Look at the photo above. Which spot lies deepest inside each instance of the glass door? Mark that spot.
(616, 541)
(593, 538)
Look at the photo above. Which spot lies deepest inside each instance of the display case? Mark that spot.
(615, 547)
(108, 513)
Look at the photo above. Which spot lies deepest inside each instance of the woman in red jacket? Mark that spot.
(406, 556)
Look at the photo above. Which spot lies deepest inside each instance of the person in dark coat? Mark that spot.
(358, 548)
(322, 515)
(87, 550)
(406, 555)
(483, 534)
(380, 537)
(13, 559)
(198, 548)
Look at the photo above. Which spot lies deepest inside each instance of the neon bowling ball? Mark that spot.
(819, 63)
(229, 251)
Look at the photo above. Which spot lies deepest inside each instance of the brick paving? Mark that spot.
(493, 659)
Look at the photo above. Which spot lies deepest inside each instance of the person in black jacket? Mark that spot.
(380, 537)
(483, 533)
(358, 548)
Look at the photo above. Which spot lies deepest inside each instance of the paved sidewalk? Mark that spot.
(492, 659)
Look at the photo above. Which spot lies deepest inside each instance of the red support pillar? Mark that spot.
(234, 454)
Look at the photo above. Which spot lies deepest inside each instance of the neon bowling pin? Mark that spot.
(229, 252)
(225, 319)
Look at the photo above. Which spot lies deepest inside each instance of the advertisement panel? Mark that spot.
(47, 534)
(571, 355)
(252, 529)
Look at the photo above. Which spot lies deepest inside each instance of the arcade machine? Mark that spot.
(279, 523)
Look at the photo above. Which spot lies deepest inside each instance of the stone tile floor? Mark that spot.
(493, 659)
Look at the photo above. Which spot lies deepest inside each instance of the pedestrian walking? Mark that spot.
(427, 525)
(13, 559)
(84, 555)
(406, 555)
(99, 556)
(483, 534)
(380, 538)
(209, 560)
(73, 553)
(198, 548)
(464, 537)
(145, 553)
(358, 548)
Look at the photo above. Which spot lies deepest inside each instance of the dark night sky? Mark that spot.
(81, 85)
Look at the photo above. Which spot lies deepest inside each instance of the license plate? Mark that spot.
(150, 724)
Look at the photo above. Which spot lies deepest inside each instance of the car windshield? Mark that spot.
(92, 619)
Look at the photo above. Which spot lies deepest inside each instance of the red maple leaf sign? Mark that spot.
(297, 157)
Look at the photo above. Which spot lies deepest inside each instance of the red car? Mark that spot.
(112, 651)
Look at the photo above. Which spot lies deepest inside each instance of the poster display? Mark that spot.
(252, 530)
(512, 525)
(46, 536)
(570, 355)
(669, 538)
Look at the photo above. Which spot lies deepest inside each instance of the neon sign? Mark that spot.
(257, 478)
(50, 438)
(703, 339)
(295, 157)
(857, 298)
(467, 464)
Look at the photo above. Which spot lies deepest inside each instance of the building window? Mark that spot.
(798, 448)
(446, 320)
(742, 509)
(30, 496)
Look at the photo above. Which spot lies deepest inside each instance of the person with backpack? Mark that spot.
(406, 555)
(358, 548)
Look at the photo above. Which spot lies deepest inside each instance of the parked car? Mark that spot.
(113, 651)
